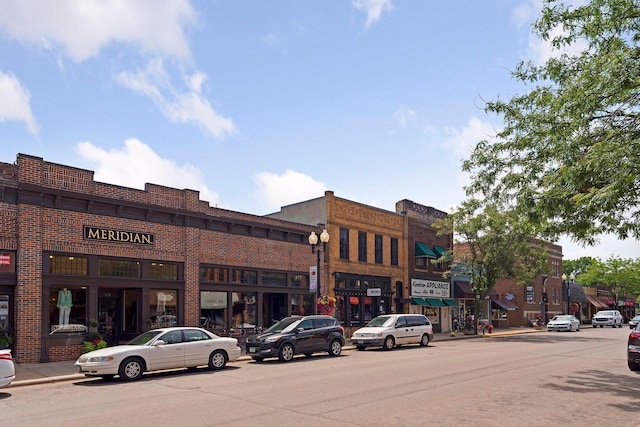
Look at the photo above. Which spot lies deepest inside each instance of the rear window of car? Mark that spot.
(416, 320)
(323, 323)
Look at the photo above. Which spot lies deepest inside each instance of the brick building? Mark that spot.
(134, 259)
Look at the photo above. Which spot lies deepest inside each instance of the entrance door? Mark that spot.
(109, 325)
(275, 306)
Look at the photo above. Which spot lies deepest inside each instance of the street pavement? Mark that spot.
(41, 373)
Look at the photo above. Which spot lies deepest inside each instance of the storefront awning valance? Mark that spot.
(450, 302)
(497, 304)
(435, 302)
(577, 293)
(423, 251)
(462, 290)
(419, 301)
(439, 250)
(596, 302)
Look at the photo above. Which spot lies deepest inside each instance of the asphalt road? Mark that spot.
(541, 379)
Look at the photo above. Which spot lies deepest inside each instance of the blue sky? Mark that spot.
(259, 104)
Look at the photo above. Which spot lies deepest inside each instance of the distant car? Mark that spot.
(157, 349)
(604, 318)
(633, 349)
(7, 368)
(564, 322)
(634, 321)
(391, 330)
(297, 335)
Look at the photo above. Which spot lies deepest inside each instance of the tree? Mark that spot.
(619, 276)
(569, 152)
(577, 266)
(491, 245)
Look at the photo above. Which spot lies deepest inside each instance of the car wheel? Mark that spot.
(360, 347)
(602, 326)
(424, 341)
(633, 365)
(335, 349)
(389, 343)
(595, 326)
(217, 360)
(286, 353)
(131, 369)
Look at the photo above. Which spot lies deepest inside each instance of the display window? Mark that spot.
(163, 311)
(67, 309)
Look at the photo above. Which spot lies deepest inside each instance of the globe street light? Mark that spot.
(313, 241)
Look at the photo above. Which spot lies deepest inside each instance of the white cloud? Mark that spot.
(15, 104)
(275, 41)
(607, 245)
(83, 28)
(290, 187)
(136, 164)
(404, 115)
(182, 107)
(463, 141)
(373, 9)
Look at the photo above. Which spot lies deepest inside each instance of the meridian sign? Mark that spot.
(107, 234)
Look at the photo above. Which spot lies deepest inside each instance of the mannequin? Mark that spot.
(64, 306)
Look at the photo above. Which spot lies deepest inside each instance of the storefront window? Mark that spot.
(118, 268)
(246, 277)
(271, 278)
(300, 281)
(302, 305)
(68, 309)
(59, 264)
(7, 262)
(244, 309)
(162, 271)
(213, 310)
(214, 274)
(163, 305)
(340, 308)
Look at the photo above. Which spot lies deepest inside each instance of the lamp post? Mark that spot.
(313, 241)
(565, 290)
(543, 303)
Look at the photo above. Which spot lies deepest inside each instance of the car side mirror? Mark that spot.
(159, 342)
(299, 330)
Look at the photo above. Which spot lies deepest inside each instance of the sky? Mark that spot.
(261, 104)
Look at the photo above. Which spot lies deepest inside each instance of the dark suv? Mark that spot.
(297, 335)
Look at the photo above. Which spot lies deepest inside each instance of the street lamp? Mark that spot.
(567, 284)
(313, 241)
(543, 303)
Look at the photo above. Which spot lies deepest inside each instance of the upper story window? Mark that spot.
(59, 264)
(118, 268)
(272, 278)
(344, 243)
(362, 246)
(378, 248)
(300, 280)
(394, 251)
(246, 277)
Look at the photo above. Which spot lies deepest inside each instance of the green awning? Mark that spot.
(419, 301)
(435, 302)
(439, 250)
(423, 251)
(450, 302)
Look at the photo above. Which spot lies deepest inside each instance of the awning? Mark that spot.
(629, 303)
(502, 305)
(354, 300)
(423, 251)
(462, 290)
(418, 301)
(439, 250)
(596, 302)
(609, 302)
(450, 302)
(577, 293)
(435, 302)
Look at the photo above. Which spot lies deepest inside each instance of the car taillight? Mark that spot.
(5, 356)
(635, 335)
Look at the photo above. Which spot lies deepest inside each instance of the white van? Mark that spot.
(390, 330)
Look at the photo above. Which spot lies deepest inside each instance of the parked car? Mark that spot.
(7, 368)
(633, 349)
(634, 321)
(297, 335)
(165, 348)
(604, 318)
(390, 330)
(564, 322)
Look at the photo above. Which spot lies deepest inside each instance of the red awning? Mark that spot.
(609, 302)
(354, 300)
(629, 303)
(368, 300)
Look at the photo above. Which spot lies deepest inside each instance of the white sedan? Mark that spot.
(158, 349)
(564, 322)
(7, 368)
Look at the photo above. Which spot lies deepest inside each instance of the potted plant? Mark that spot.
(6, 340)
(95, 342)
(326, 305)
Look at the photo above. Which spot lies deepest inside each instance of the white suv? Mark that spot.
(390, 330)
(604, 318)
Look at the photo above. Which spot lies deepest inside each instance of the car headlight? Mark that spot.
(273, 339)
(99, 359)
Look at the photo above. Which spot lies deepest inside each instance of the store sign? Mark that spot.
(374, 292)
(5, 259)
(430, 288)
(107, 234)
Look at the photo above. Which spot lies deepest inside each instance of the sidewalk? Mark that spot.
(40, 373)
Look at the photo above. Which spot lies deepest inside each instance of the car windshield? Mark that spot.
(563, 317)
(144, 338)
(604, 313)
(380, 321)
(287, 324)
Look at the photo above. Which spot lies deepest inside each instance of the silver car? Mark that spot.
(564, 322)
(634, 322)
(604, 318)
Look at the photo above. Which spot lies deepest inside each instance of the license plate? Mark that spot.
(253, 349)
(360, 341)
